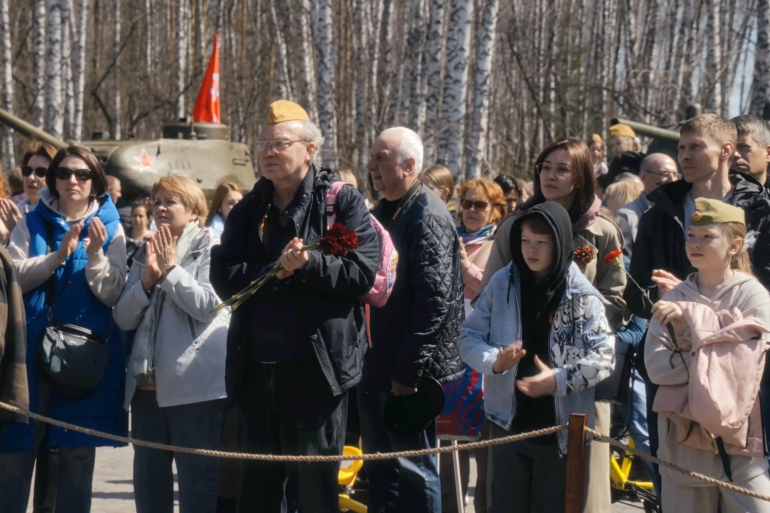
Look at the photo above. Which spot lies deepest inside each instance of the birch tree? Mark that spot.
(484, 54)
(307, 61)
(713, 57)
(431, 77)
(66, 66)
(6, 63)
(182, 33)
(55, 99)
(38, 64)
(283, 58)
(115, 129)
(327, 115)
(79, 69)
(761, 86)
(452, 135)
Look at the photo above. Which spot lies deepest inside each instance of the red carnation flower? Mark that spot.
(328, 246)
(612, 255)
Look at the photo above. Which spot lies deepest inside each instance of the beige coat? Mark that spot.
(603, 236)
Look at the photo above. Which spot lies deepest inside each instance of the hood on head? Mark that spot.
(561, 226)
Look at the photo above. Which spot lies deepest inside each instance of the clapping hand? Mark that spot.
(9, 217)
(165, 249)
(508, 357)
(152, 272)
(539, 385)
(97, 235)
(69, 242)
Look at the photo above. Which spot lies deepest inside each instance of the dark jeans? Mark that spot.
(403, 485)
(288, 408)
(74, 476)
(196, 425)
(527, 476)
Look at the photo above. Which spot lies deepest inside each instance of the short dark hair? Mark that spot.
(713, 125)
(582, 168)
(98, 179)
(757, 128)
(537, 224)
(508, 184)
(39, 149)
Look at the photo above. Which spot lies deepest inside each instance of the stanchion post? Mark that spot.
(576, 463)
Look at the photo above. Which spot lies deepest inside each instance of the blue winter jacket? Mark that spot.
(74, 303)
(582, 347)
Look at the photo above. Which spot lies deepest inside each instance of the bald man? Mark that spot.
(656, 168)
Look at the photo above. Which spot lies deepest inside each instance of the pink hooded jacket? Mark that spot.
(723, 343)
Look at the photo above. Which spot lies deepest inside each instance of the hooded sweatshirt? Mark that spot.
(538, 302)
(723, 341)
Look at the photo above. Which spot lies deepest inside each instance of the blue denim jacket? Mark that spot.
(582, 346)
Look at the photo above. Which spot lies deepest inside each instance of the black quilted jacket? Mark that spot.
(417, 330)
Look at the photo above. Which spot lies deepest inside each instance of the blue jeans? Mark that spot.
(197, 426)
(403, 485)
(74, 478)
(634, 415)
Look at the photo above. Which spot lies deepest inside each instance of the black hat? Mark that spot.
(411, 414)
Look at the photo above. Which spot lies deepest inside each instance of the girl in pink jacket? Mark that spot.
(706, 349)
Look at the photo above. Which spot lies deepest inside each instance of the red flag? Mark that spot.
(207, 104)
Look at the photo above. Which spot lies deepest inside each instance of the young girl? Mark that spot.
(709, 413)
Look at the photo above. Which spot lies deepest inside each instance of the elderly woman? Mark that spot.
(175, 383)
(70, 256)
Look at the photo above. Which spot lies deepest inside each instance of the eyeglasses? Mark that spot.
(667, 176)
(277, 145)
(480, 206)
(39, 171)
(561, 170)
(65, 173)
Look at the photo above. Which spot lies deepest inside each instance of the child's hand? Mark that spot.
(540, 385)
(665, 280)
(508, 357)
(666, 312)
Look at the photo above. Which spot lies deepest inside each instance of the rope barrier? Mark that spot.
(620, 445)
(284, 458)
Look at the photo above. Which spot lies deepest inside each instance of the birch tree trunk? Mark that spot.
(79, 69)
(384, 77)
(115, 128)
(55, 100)
(38, 64)
(327, 114)
(431, 77)
(713, 58)
(182, 16)
(414, 48)
(361, 45)
(283, 59)
(452, 135)
(484, 54)
(6, 63)
(760, 90)
(307, 61)
(66, 66)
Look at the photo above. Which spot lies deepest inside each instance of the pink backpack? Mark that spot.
(386, 275)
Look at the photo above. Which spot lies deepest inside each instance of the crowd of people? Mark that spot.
(513, 294)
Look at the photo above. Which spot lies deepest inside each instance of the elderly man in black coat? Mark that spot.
(297, 346)
(415, 333)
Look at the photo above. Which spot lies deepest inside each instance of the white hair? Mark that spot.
(409, 145)
(311, 132)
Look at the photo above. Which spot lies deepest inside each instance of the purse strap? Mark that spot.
(50, 285)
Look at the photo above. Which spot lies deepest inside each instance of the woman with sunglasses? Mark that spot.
(564, 174)
(73, 244)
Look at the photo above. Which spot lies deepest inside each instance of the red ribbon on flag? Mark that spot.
(207, 105)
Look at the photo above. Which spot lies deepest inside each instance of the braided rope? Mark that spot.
(727, 486)
(284, 458)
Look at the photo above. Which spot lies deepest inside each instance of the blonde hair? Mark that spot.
(347, 175)
(622, 193)
(219, 197)
(740, 261)
(442, 177)
(494, 194)
(190, 194)
(721, 129)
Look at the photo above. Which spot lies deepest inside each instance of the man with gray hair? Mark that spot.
(752, 152)
(296, 347)
(414, 335)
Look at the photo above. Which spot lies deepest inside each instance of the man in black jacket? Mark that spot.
(415, 333)
(659, 262)
(297, 346)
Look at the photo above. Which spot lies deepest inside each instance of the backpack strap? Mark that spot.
(331, 201)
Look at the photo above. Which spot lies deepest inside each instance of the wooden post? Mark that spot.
(576, 463)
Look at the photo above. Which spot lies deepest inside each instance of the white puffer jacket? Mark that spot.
(190, 341)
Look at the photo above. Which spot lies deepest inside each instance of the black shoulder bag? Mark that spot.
(74, 359)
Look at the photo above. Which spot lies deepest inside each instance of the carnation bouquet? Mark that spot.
(337, 242)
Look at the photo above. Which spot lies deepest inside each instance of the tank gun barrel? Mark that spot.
(28, 130)
(648, 130)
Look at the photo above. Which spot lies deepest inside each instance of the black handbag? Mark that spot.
(74, 359)
(614, 389)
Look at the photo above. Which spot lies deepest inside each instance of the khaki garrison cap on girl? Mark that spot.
(622, 131)
(284, 110)
(709, 211)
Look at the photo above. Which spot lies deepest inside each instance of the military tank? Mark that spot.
(200, 151)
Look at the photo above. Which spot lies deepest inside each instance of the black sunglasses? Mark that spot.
(39, 171)
(479, 205)
(65, 173)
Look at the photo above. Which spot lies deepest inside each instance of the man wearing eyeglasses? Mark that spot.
(297, 346)
(656, 168)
